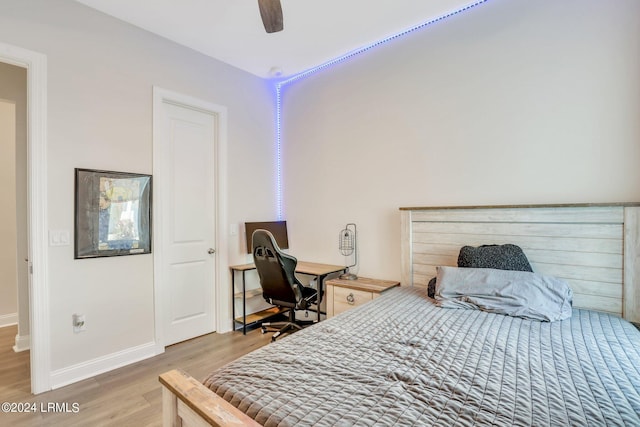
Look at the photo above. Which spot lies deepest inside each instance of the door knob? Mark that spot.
(211, 251)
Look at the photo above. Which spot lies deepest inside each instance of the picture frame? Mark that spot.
(112, 213)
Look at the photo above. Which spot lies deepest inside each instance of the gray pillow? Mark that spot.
(514, 293)
(499, 257)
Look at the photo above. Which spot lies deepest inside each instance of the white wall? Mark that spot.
(512, 102)
(8, 234)
(100, 78)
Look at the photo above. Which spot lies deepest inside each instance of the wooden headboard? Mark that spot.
(595, 247)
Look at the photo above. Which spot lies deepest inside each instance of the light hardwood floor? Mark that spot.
(129, 396)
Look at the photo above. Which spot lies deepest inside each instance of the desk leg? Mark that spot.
(321, 290)
(244, 305)
(233, 299)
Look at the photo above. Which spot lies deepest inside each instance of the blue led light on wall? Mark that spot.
(281, 84)
(278, 151)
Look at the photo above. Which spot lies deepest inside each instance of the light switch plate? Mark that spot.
(59, 238)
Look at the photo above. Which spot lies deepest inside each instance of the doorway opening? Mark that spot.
(14, 286)
(35, 220)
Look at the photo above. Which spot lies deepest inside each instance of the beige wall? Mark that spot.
(13, 87)
(8, 235)
(100, 78)
(511, 102)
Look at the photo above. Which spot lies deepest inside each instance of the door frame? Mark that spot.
(36, 65)
(222, 294)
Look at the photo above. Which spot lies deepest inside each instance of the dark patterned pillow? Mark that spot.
(431, 288)
(500, 257)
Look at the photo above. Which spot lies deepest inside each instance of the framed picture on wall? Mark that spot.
(112, 213)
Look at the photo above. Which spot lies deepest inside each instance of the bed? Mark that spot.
(402, 360)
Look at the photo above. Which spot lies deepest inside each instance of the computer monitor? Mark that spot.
(277, 228)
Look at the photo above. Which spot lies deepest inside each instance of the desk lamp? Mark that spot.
(347, 245)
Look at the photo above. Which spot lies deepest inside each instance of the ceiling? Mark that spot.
(315, 31)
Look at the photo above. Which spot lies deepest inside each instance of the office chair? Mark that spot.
(279, 284)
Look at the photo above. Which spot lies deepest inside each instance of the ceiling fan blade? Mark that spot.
(271, 13)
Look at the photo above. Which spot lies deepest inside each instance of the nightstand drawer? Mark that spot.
(343, 294)
(345, 299)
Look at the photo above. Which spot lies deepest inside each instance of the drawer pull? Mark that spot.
(351, 299)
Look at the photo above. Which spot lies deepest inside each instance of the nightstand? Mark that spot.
(343, 295)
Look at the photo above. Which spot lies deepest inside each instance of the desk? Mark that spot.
(321, 271)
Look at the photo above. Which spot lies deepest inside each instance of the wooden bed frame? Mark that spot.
(595, 247)
(188, 403)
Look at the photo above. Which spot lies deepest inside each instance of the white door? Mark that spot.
(188, 194)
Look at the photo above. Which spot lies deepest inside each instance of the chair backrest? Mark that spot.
(276, 270)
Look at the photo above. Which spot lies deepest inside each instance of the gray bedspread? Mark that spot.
(400, 360)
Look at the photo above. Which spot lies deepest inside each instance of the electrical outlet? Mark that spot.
(79, 323)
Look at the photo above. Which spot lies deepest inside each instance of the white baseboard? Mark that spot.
(91, 368)
(22, 343)
(8, 319)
